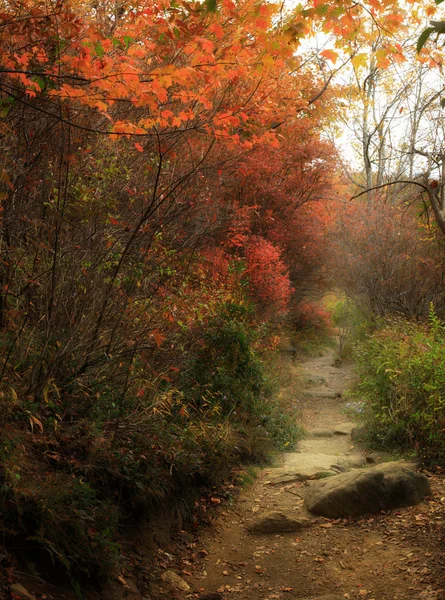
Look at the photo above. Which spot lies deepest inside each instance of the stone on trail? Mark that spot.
(276, 521)
(303, 466)
(316, 380)
(18, 590)
(344, 428)
(319, 433)
(290, 475)
(173, 579)
(392, 485)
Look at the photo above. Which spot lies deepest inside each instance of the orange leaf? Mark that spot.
(218, 30)
(329, 55)
(138, 147)
(158, 337)
(207, 46)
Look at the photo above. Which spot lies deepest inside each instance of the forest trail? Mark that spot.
(396, 555)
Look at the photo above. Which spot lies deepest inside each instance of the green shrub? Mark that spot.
(228, 377)
(402, 370)
(226, 372)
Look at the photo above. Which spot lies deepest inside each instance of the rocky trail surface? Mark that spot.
(267, 546)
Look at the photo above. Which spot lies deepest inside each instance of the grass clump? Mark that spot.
(402, 368)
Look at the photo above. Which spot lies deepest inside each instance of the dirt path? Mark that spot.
(397, 555)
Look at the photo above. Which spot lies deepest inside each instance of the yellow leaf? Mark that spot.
(359, 61)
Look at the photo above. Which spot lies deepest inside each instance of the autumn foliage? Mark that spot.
(388, 258)
(165, 190)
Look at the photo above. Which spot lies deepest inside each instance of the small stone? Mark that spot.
(344, 428)
(316, 380)
(21, 592)
(277, 522)
(173, 579)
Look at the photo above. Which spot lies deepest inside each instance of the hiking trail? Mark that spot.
(395, 555)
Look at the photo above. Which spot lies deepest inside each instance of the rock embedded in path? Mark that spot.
(290, 475)
(276, 521)
(316, 380)
(320, 433)
(301, 466)
(388, 486)
(344, 428)
(172, 579)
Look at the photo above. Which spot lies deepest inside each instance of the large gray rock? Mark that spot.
(275, 521)
(392, 485)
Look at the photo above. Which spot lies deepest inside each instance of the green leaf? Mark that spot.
(439, 1)
(211, 5)
(128, 40)
(99, 50)
(424, 37)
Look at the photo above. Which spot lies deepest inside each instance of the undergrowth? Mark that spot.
(74, 467)
(402, 369)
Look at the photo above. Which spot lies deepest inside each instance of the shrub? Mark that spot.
(268, 276)
(402, 369)
(228, 377)
(312, 317)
